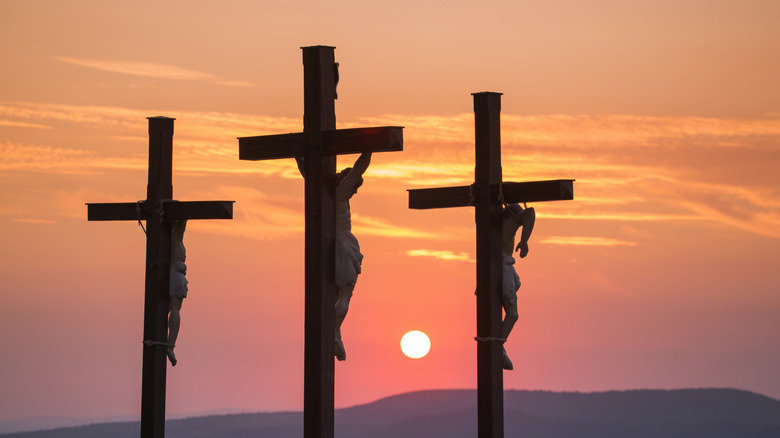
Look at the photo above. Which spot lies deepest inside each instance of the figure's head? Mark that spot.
(343, 174)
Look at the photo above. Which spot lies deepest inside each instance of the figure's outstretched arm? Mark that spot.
(299, 161)
(361, 164)
(356, 174)
(527, 219)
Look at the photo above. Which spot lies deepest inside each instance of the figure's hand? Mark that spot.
(523, 248)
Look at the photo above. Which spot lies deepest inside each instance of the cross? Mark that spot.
(319, 144)
(487, 195)
(160, 212)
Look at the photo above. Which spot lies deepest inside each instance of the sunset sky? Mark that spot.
(662, 273)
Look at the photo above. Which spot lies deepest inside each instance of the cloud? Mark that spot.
(151, 70)
(257, 214)
(423, 174)
(34, 221)
(380, 227)
(16, 156)
(627, 168)
(585, 241)
(753, 218)
(23, 124)
(449, 256)
(626, 216)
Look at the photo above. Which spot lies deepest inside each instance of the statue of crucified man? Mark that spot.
(348, 256)
(514, 217)
(177, 289)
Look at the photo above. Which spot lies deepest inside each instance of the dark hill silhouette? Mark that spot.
(689, 413)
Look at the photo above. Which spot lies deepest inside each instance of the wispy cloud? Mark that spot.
(34, 221)
(628, 168)
(15, 156)
(379, 227)
(449, 256)
(585, 241)
(620, 216)
(23, 124)
(151, 70)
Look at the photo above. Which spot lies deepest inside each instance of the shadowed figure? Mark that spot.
(177, 286)
(348, 257)
(513, 218)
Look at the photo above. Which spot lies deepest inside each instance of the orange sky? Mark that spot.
(661, 274)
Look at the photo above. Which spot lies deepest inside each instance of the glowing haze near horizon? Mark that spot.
(661, 274)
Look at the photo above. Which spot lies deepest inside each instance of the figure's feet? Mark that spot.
(507, 363)
(171, 357)
(341, 354)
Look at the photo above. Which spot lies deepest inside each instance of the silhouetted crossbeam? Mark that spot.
(508, 192)
(334, 142)
(172, 210)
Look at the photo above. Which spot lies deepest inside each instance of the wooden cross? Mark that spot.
(487, 195)
(319, 144)
(159, 211)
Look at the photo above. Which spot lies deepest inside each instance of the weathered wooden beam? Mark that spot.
(487, 216)
(269, 147)
(172, 210)
(319, 116)
(440, 197)
(511, 192)
(176, 210)
(158, 255)
(334, 142)
(117, 211)
(359, 140)
(537, 191)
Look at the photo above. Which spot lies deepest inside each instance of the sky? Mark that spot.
(661, 273)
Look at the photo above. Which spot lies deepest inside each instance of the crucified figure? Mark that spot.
(514, 217)
(177, 289)
(348, 256)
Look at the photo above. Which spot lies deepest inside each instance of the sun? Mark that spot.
(415, 344)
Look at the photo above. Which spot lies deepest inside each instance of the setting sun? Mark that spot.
(415, 344)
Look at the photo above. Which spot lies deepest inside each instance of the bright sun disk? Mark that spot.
(415, 344)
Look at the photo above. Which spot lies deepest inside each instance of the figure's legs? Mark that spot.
(509, 303)
(510, 318)
(342, 306)
(174, 321)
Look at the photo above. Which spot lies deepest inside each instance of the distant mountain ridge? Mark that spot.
(689, 413)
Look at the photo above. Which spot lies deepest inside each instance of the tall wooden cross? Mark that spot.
(159, 210)
(487, 195)
(319, 144)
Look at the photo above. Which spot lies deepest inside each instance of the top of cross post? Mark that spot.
(487, 93)
(318, 46)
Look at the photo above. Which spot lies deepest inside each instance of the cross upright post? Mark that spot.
(319, 144)
(487, 195)
(159, 211)
(319, 114)
(487, 173)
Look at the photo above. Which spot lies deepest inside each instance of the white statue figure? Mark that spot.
(348, 256)
(514, 217)
(177, 285)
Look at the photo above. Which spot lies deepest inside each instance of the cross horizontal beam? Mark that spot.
(334, 142)
(512, 192)
(171, 210)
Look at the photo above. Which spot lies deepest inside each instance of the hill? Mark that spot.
(689, 413)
